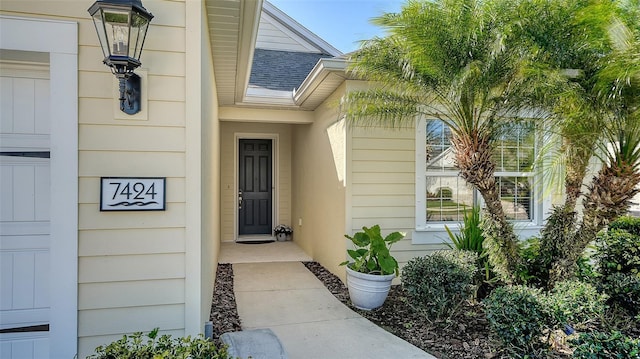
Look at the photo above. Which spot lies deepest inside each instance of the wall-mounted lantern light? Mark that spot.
(122, 27)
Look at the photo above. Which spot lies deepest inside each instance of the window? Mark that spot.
(442, 196)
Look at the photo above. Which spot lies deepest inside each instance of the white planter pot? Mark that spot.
(281, 237)
(368, 291)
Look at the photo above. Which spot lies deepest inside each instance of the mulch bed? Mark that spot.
(224, 313)
(465, 336)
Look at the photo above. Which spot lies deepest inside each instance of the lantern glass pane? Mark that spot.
(117, 26)
(100, 29)
(139, 31)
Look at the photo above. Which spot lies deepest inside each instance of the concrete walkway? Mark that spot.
(309, 321)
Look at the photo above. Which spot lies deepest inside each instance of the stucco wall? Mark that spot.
(228, 176)
(319, 187)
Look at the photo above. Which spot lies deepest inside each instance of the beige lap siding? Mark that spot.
(132, 264)
(383, 186)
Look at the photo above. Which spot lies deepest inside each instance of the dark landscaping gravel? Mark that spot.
(224, 313)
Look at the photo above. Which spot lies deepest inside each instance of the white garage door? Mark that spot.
(24, 210)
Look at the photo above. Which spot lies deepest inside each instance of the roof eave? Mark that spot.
(325, 69)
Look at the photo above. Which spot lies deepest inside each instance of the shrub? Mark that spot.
(627, 223)
(597, 345)
(623, 290)
(532, 270)
(618, 251)
(576, 303)
(518, 316)
(439, 283)
(135, 347)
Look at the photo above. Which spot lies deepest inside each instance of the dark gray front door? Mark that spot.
(255, 187)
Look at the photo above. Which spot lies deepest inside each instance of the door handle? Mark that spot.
(240, 199)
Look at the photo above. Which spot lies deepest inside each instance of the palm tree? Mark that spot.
(446, 59)
(618, 88)
(594, 110)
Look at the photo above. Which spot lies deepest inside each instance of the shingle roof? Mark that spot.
(281, 70)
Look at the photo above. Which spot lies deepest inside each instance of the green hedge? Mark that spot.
(438, 284)
(598, 345)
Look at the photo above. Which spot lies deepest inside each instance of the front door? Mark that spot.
(255, 194)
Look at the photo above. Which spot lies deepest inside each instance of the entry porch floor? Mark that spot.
(274, 290)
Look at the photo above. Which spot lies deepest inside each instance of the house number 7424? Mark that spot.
(132, 194)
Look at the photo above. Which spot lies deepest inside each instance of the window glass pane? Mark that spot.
(515, 146)
(516, 197)
(438, 150)
(447, 198)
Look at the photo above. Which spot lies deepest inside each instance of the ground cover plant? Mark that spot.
(153, 346)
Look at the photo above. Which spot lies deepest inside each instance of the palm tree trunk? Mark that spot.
(609, 197)
(473, 157)
(577, 163)
(560, 226)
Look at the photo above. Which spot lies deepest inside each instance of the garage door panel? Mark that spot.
(41, 107)
(6, 188)
(24, 277)
(23, 193)
(37, 228)
(6, 105)
(24, 211)
(23, 273)
(23, 106)
(27, 318)
(41, 190)
(24, 345)
(24, 183)
(41, 280)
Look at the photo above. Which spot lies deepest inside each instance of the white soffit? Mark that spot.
(233, 27)
(324, 79)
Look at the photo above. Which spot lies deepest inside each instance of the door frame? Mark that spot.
(275, 162)
(60, 40)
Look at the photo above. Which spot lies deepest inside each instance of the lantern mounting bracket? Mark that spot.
(122, 26)
(129, 93)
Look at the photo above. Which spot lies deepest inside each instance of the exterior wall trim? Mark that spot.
(275, 175)
(60, 40)
(193, 316)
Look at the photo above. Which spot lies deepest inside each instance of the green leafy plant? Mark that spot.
(372, 254)
(518, 315)
(627, 223)
(618, 251)
(531, 271)
(470, 237)
(576, 303)
(599, 345)
(135, 346)
(623, 290)
(438, 284)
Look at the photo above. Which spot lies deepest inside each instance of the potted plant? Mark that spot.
(373, 268)
(283, 232)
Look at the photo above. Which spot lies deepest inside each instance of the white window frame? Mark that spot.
(434, 232)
